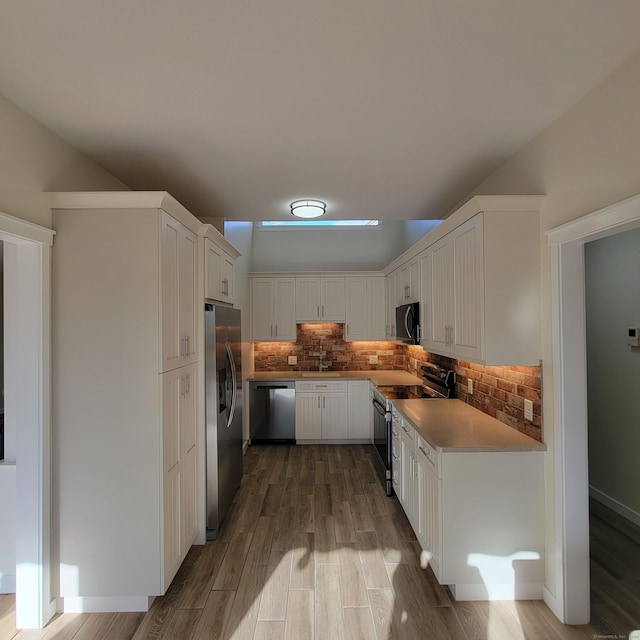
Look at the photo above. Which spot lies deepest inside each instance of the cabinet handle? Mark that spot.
(188, 392)
(271, 331)
(323, 402)
(318, 311)
(323, 311)
(182, 387)
(405, 429)
(188, 345)
(276, 331)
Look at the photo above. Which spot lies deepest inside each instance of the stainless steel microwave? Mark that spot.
(408, 323)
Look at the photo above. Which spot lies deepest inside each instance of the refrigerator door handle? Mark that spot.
(234, 382)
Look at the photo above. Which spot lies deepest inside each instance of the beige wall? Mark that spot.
(34, 160)
(587, 159)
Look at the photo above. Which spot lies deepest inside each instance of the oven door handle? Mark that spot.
(379, 408)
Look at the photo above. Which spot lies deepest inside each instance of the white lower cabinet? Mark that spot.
(408, 475)
(333, 411)
(359, 410)
(396, 460)
(429, 489)
(478, 515)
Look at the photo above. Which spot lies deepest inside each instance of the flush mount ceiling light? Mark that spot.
(308, 208)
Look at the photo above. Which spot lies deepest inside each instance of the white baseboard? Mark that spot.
(553, 603)
(100, 604)
(498, 591)
(615, 505)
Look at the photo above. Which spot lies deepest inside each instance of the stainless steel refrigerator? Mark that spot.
(223, 411)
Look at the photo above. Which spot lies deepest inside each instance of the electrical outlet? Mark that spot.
(292, 359)
(528, 410)
(470, 386)
(373, 359)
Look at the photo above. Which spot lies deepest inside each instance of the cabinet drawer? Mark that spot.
(427, 453)
(406, 429)
(322, 387)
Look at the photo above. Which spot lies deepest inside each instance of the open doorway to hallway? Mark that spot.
(612, 303)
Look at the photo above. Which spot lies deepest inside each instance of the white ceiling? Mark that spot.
(383, 109)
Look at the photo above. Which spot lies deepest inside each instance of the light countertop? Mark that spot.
(381, 378)
(454, 426)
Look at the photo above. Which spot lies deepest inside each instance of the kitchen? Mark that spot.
(576, 180)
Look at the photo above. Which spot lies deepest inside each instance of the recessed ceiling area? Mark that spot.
(380, 109)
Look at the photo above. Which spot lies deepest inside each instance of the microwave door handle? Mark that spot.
(406, 321)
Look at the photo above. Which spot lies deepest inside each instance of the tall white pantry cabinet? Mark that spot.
(125, 414)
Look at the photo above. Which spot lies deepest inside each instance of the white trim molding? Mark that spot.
(27, 311)
(571, 602)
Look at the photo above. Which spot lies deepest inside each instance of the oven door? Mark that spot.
(382, 441)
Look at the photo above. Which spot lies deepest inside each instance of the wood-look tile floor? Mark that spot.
(312, 549)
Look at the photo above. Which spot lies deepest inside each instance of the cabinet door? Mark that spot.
(360, 419)
(227, 279)
(189, 500)
(308, 307)
(468, 290)
(396, 462)
(187, 296)
(188, 423)
(213, 272)
(219, 273)
(439, 326)
(308, 416)
(335, 412)
(172, 528)
(262, 309)
(429, 517)
(376, 307)
(333, 302)
(284, 309)
(171, 406)
(390, 300)
(356, 327)
(408, 474)
(171, 343)
(408, 280)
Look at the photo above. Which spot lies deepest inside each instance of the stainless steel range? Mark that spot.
(439, 383)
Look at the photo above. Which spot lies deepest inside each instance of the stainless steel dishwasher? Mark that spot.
(272, 411)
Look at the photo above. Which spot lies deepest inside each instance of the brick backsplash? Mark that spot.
(497, 391)
(336, 352)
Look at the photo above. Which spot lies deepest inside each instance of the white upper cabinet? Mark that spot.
(273, 309)
(320, 299)
(408, 289)
(376, 307)
(365, 308)
(219, 259)
(480, 290)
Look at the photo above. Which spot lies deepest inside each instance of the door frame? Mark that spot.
(571, 601)
(27, 312)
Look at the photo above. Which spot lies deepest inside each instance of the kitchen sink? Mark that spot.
(320, 374)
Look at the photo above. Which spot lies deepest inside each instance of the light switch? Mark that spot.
(373, 359)
(470, 386)
(292, 360)
(528, 410)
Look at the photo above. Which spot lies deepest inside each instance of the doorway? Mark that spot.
(571, 601)
(27, 258)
